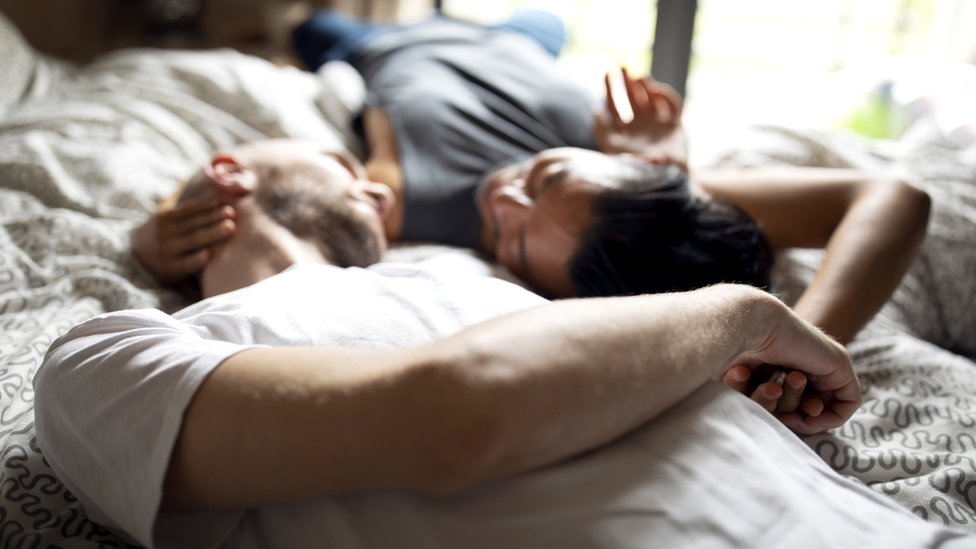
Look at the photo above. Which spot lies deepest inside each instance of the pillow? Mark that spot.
(17, 61)
(341, 99)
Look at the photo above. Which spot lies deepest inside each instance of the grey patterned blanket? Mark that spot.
(85, 153)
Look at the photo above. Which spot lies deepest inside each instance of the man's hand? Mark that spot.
(800, 375)
(778, 392)
(174, 242)
(654, 132)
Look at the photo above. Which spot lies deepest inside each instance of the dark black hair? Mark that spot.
(654, 234)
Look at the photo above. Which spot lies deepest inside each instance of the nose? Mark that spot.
(511, 207)
(377, 195)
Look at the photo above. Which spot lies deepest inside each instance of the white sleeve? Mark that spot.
(110, 399)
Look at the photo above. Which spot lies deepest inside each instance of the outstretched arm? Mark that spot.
(870, 226)
(489, 401)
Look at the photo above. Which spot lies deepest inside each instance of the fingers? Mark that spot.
(649, 100)
(195, 225)
(767, 394)
(173, 203)
(199, 237)
(794, 384)
(810, 425)
(640, 100)
(658, 107)
(175, 242)
(188, 264)
(800, 410)
(814, 412)
(836, 411)
(667, 100)
(832, 398)
(787, 395)
(737, 379)
(843, 400)
(611, 103)
(195, 214)
(812, 406)
(173, 198)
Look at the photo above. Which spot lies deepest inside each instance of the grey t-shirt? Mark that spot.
(463, 100)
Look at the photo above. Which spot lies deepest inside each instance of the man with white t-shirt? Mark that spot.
(305, 373)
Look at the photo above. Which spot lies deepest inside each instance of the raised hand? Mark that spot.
(654, 131)
(174, 242)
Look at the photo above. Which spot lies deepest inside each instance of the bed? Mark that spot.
(86, 152)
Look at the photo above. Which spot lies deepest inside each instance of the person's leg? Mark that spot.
(330, 36)
(542, 26)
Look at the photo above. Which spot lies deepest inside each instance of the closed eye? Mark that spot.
(346, 160)
(539, 180)
(550, 178)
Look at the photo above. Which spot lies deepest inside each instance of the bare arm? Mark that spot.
(505, 396)
(870, 227)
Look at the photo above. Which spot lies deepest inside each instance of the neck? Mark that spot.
(383, 166)
(259, 249)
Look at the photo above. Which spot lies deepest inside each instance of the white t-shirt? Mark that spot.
(714, 471)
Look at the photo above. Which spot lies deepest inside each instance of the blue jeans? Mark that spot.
(332, 36)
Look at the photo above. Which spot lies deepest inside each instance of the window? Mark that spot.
(802, 62)
(601, 34)
(811, 62)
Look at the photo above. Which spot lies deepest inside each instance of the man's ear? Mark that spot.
(231, 178)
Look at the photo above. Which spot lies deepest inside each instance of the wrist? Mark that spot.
(755, 316)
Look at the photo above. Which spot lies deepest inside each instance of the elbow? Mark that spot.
(921, 204)
(177, 493)
(469, 454)
(187, 482)
(469, 445)
(916, 206)
(462, 463)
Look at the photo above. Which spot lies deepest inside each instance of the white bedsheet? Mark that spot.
(715, 471)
